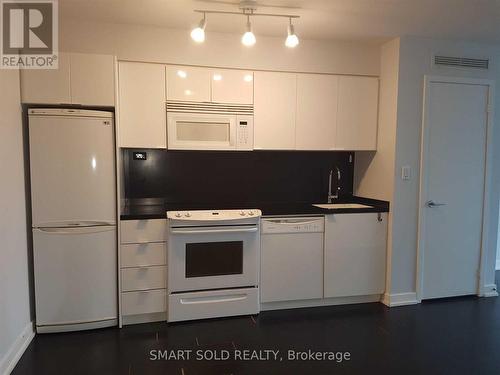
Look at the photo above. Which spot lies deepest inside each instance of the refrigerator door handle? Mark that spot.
(73, 224)
(76, 230)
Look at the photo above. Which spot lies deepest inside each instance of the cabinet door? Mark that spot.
(142, 111)
(232, 86)
(291, 267)
(355, 254)
(316, 111)
(92, 79)
(188, 83)
(357, 113)
(274, 110)
(47, 86)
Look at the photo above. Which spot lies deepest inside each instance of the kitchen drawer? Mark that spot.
(212, 304)
(143, 254)
(140, 231)
(143, 278)
(145, 302)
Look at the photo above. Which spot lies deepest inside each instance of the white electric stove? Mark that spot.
(213, 263)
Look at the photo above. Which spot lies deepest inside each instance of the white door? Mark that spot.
(275, 104)
(72, 162)
(357, 113)
(355, 253)
(214, 257)
(47, 86)
(92, 79)
(189, 84)
(75, 275)
(316, 111)
(232, 86)
(452, 190)
(291, 262)
(143, 116)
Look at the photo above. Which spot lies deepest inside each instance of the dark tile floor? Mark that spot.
(453, 336)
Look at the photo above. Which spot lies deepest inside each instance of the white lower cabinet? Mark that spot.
(143, 270)
(144, 278)
(355, 254)
(144, 302)
(143, 254)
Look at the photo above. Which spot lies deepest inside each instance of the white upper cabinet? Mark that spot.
(357, 113)
(47, 86)
(188, 83)
(80, 79)
(142, 113)
(92, 79)
(232, 86)
(355, 254)
(316, 111)
(274, 110)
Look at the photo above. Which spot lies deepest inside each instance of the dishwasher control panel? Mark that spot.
(293, 225)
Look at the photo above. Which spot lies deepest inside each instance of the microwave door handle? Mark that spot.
(213, 231)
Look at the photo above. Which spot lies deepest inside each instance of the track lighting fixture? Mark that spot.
(247, 8)
(198, 33)
(291, 40)
(248, 39)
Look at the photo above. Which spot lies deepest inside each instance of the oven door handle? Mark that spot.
(213, 299)
(213, 231)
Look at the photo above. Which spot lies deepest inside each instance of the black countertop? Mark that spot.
(156, 208)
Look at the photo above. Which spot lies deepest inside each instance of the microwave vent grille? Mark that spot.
(209, 108)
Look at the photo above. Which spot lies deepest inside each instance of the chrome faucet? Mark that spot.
(336, 195)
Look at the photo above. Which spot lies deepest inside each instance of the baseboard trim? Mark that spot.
(144, 318)
(9, 361)
(490, 290)
(282, 305)
(399, 299)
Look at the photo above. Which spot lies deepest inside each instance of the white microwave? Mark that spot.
(209, 126)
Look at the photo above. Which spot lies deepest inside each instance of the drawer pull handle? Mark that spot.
(213, 299)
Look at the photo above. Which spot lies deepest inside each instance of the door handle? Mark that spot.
(432, 204)
(212, 231)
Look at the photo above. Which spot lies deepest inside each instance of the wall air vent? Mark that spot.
(461, 62)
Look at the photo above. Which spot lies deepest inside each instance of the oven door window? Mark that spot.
(214, 259)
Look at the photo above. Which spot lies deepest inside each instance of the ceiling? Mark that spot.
(367, 20)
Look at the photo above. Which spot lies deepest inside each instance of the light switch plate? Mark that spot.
(406, 172)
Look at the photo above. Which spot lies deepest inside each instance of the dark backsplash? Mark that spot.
(220, 177)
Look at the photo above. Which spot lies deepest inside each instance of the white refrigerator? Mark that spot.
(73, 199)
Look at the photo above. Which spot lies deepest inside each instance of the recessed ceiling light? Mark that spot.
(217, 77)
(181, 73)
(248, 78)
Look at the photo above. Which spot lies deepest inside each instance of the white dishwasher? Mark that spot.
(291, 258)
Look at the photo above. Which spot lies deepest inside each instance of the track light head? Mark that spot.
(248, 39)
(292, 39)
(198, 33)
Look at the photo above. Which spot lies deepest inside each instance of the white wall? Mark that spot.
(15, 320)
(374, 171)
(415, 62)
(498, 247)
(153, 44)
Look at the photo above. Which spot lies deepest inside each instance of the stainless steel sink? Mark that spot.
(331, 206)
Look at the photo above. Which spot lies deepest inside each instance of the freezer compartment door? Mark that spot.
(72, 170)
(75, 275)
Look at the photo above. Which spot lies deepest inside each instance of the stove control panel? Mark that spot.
(214, 215)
